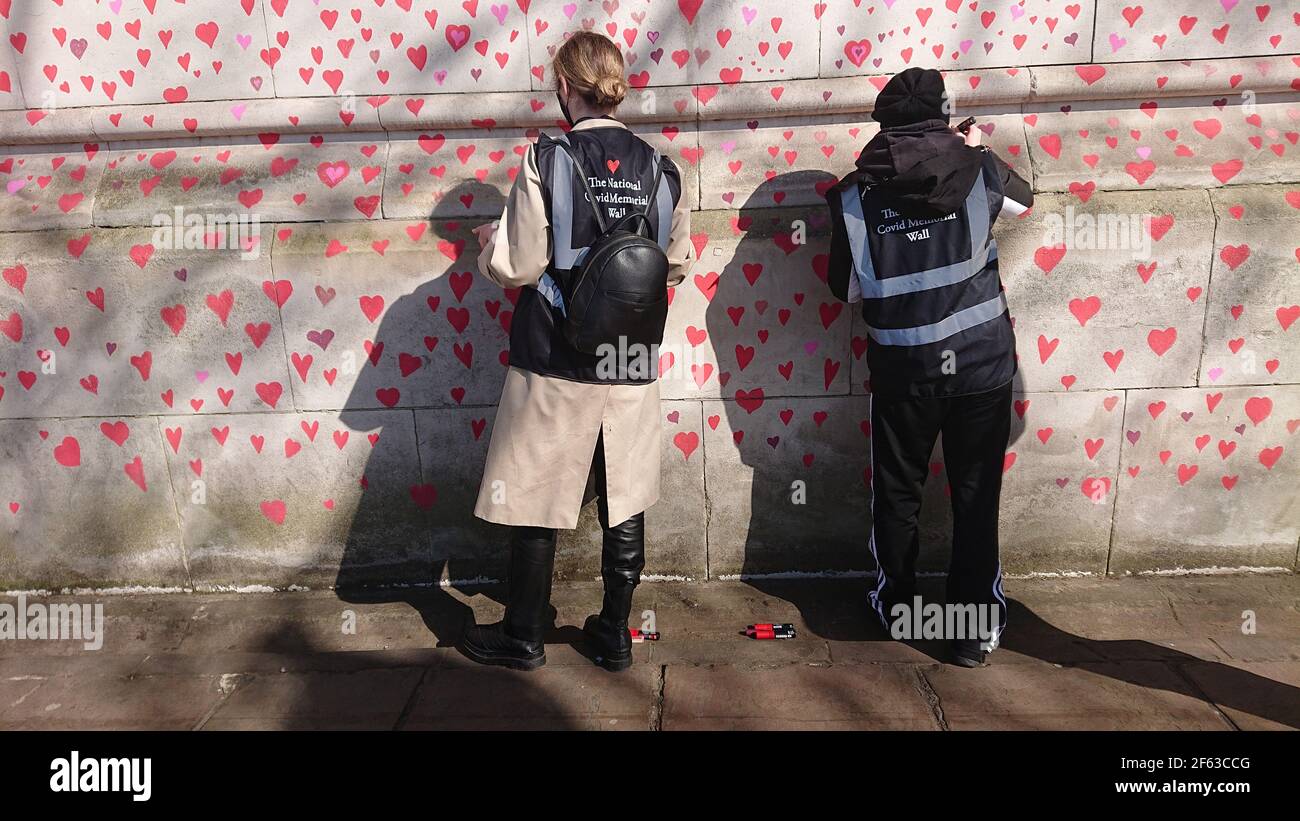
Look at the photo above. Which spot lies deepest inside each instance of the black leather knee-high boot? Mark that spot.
(516, 640)
(622, 559)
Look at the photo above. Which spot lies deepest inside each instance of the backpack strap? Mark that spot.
(654, 186)
(582, 176)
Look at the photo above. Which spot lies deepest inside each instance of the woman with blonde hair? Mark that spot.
(568, 420)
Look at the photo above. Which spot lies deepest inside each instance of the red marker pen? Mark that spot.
(770, 631)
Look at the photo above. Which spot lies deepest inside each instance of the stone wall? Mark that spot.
(315, 405)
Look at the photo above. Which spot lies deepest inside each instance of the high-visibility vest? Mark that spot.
(935, 310)
(620, 167)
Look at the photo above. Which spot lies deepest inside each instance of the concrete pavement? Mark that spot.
(1138, 653)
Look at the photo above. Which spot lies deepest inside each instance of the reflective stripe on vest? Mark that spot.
(944, 328)
(564, 256)
(871, 287)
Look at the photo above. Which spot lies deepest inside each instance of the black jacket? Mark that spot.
(622, 169)
(925, 176)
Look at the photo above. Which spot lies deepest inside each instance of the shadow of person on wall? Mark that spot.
(765, 293)
(413, 533)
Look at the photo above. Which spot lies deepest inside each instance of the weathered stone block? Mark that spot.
(1254, 293)
(467, 173)
(49, 186)
(309, 499)
(755, 312)
(218, 121)
(767, 162)
(11, 96)
(787, 485)
(453, 445)
(112, 322)
(1059, 481)
(452, 173)
(1166, 79)
(687, 43)
(132, 52)
(1126, 31)
(398, 48)
(886, 40)
(390, 314)
(1160, 143)
(1207, 479)
(87, 502)
(1108, 290)
(293, 178)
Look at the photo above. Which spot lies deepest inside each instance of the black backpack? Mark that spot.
(618, 294)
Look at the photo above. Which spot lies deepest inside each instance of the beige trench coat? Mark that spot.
(544, 437)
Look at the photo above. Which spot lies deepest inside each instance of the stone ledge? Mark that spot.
(822, 96)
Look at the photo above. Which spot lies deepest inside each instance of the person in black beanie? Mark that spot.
(911, 240)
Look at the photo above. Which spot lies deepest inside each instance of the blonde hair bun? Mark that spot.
(610, 91)
(593, 67)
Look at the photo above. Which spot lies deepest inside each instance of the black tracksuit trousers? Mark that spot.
(975, 431)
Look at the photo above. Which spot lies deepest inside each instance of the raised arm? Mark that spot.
(1017, 195)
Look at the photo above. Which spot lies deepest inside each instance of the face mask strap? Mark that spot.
(564, 109)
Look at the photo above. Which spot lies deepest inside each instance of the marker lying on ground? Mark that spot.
(770, 631)
(638, 636)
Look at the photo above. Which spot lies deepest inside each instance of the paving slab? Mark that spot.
(1139, 695)
(363, 700)
(134, 626)
(550, 698)
(1137, 653)
(110, 703)
(800, 697)
(1255, 696)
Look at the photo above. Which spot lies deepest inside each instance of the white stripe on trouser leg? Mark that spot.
(992, 644)
(874, 595)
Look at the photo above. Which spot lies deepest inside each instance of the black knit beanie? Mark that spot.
(911, 96)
